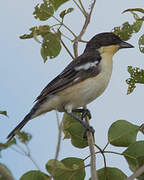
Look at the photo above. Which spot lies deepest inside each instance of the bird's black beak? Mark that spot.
(124, 44)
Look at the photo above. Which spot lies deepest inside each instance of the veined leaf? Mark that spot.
(122, 133)
(68, 168)
(35, 175)
(134, 155)
(141, 43)
(51, 46)
(57, 3)
(74, 130)
(44, 11)
(110, 173)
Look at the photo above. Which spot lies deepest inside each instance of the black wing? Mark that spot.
(71, 75)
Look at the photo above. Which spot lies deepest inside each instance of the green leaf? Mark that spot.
(125, 31)
(4, 113)
(44, 12)
(51, 46)
(57, 3)
(75, 131)
(68, 168)
(5, 173)
(67, 122)
(65, 12)
(23, 136)
(141, 43)
(134, 9)
(40, 30)
(110, 173)
(137, 26)
(136, 76)
(35, 175)
(122, 133)
(134, 155)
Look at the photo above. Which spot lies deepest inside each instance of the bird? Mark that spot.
(81, 82)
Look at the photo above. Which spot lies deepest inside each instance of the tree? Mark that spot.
(52, 41)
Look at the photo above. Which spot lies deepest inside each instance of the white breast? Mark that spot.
(91, 88)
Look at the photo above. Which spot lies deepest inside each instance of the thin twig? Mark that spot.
(59, 136)
(65, 26)
(112, 152)
(61, 23)
(87, 21)
(98, 148)
(28, 154)
(82, 6)
(106, 146)
(104, 158)
(137, 173)
(17, 151)
(102, 153)
(33, 161)
(58, 143)
(68, 51)
(90, 155)
(81, 9)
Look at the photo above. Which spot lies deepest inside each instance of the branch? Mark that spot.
(87, 21)
(137, 173)
(58, 143)
(92, 152)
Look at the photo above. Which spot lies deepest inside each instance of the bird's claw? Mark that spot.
(85, 113)
(88, 128)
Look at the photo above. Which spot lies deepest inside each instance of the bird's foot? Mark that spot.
(91, 129)
(83, 123)
(85, 112)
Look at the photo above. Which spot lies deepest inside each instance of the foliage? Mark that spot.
(68, 168)
(51, 38)
(110, 173)
(74, 131)
(136, 76)
(35, 175)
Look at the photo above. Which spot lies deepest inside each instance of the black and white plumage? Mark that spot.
(82, 81)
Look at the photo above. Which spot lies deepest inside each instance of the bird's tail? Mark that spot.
(35, 111)
(19, 126)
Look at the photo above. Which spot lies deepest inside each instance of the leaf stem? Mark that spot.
(68, 51)
(65, 26)
(82, 7)
(27, 154)
(112, 152)
(106, 146)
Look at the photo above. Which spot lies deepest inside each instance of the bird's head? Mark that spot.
(106, 42)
